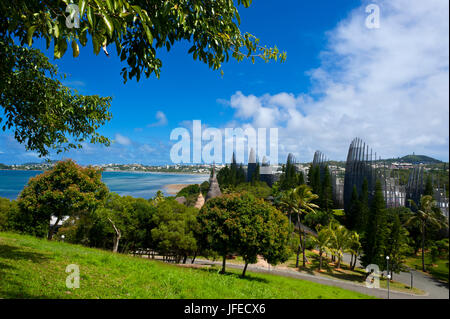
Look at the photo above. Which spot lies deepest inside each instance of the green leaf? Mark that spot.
(192, 49)
(82, 7)
(75, 49)
(109, 25)
(60, 48)
(83, 37)
(30, 34)
(56, 30)
(90, 16)
(96, 43)
(110, 5)
(148, 33)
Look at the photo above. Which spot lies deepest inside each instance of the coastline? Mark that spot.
(118, 171)
(173, 189)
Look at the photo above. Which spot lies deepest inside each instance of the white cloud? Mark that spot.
(161, 120)
(388, 86)
(122, 140)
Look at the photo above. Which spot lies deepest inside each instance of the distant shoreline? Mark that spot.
(118, 171)
(173, 189)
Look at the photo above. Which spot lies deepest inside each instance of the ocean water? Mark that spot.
(136, 184)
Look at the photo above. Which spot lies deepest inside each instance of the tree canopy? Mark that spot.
(66, 190)
(138, 28)
(241, 223)
(45, 114)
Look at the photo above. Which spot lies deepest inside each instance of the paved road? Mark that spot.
(433, 289)
(436, 289)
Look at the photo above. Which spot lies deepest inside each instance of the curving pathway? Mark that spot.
(434, 288)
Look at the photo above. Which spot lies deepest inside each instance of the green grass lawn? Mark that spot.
(438, 268)
(35, 268)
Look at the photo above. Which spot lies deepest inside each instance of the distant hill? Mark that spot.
(415, 159)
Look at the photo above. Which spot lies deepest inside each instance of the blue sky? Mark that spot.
(336, 84)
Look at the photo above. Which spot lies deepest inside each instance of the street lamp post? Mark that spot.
(388, 275)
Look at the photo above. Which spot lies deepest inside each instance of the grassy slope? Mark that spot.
(35, 268)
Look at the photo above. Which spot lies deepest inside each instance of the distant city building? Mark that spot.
(267, 172)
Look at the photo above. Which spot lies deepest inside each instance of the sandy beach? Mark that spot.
(173, 189)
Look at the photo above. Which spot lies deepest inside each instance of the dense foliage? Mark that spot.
(66, 190)
(138, 29)
(46, 114)
(243, 224)
(43, 113)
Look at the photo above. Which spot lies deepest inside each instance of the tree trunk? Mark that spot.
(116, 238)
(193, 259)
(245, 269)
(51, 229)
(303, 252)
(116, 243)
(223, 264)
(353, 264)
(320, 259)
(423, 246)
(184, 259)
(300, 246)
(298, 255)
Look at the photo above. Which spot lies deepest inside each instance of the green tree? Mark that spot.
(326, 200)
(191, 193)
(173, 233)
(363, 215)
(425, 215)
(256, 175)
(131, 216)
(321, 241)
(139, 30)
(5, 205)
(44, 113)
(299, 201)
(374, 239)
(244, 224)
(396, 246)
(353, 247)
(428, 186)
(339, 240)
(117, 213)
(354, 210)
(257, 189)
(66, 190)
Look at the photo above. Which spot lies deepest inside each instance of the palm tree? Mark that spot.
(424, 216)
(339, 236)
(303, 198)
(288, 202)
(321, 241)
(353, 247)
